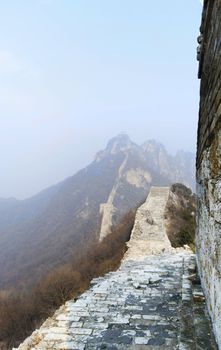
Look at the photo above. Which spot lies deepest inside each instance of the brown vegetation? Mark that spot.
(181, 215)
(22, 312)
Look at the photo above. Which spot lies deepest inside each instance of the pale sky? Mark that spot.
(75, 73)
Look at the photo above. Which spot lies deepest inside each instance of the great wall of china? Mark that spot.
(148, 303)
(152, 301)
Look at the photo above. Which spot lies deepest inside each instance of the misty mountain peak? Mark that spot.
(120, 143)
(151, 146)
(117, 144)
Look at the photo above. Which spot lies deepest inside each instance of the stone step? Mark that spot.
(159, 191)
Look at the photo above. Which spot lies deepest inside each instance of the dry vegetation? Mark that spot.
(181, 215)
(22, 312)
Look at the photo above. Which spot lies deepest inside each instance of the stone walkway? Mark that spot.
(149, 232)
(149, 304)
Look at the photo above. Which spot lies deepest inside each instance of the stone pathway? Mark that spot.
(149, 233)
(148, 304)
(152, 302)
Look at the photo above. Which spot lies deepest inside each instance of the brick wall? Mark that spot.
(209, 161)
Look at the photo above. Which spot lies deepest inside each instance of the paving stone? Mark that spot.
(69, 346)
(81, 331)
(57, 337)
(76, 324)
(141, 340)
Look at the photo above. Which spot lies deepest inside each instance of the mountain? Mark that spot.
(14, 212)
(42, 232)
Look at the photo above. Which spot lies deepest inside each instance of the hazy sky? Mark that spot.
(74, 73)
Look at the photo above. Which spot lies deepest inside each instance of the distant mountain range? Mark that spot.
(42, 232)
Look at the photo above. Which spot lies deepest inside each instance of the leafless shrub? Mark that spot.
(21, 313)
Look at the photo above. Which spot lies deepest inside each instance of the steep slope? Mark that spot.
(42, 232)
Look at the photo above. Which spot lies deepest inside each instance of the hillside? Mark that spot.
(23, 311)
(180, 216)
(46, 230)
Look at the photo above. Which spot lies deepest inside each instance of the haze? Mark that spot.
(73, 74)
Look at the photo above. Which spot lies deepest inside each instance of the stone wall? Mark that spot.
(209, 161)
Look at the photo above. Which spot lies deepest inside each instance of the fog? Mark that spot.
(73, 74)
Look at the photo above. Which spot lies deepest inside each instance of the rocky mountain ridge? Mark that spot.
(64, 219)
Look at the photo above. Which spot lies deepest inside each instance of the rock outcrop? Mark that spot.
(209, 161)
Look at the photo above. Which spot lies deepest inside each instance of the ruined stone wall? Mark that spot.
(209, 161)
